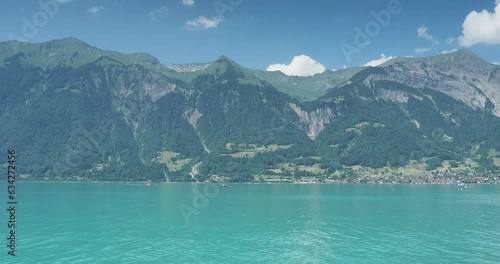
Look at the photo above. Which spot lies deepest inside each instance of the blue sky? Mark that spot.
(259, 33)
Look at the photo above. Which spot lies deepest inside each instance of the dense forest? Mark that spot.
(117, 118)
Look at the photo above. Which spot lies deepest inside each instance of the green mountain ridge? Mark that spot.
(85, 113)
(68, 52)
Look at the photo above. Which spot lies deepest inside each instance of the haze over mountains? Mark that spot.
(75, 111)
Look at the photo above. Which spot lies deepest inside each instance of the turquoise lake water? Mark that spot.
(253, 223)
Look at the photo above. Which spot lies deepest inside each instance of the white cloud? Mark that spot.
(496, 62)
(301, 65)
(422, 50)
(448, 51)
(377, 62)
(422, 33)
(153, 15)
(203, 23)
(450, 40)
(482, 27)
(188, 2)
(95, 9)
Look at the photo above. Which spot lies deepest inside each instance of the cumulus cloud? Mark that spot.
(380, 61)
(422, 33)
(153, 15)
(448, 51)
(422, 50)
(188, 2)
(481, 27)
(95, 9)
(301, 65)
(203, 23)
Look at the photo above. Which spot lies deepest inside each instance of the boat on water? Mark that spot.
(148, 183)
(462, 186)
(223, 185)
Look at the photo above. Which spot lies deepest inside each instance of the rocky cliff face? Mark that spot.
(315, 121)
(462, 75)
(187, 67)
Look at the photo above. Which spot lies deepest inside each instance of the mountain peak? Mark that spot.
(457, 57)
(462, 53)
(462, 56)
(69, 42)
(224, 57)
(228, 60)
(224, 62)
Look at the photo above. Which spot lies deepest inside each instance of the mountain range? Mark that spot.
(73, 111)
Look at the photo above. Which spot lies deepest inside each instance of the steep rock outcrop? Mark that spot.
(315, 121)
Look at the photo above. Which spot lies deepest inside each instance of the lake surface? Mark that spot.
(253, 223)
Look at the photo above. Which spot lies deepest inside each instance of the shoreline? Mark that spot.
(437, 179)
(259, 183)
(275, 182)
